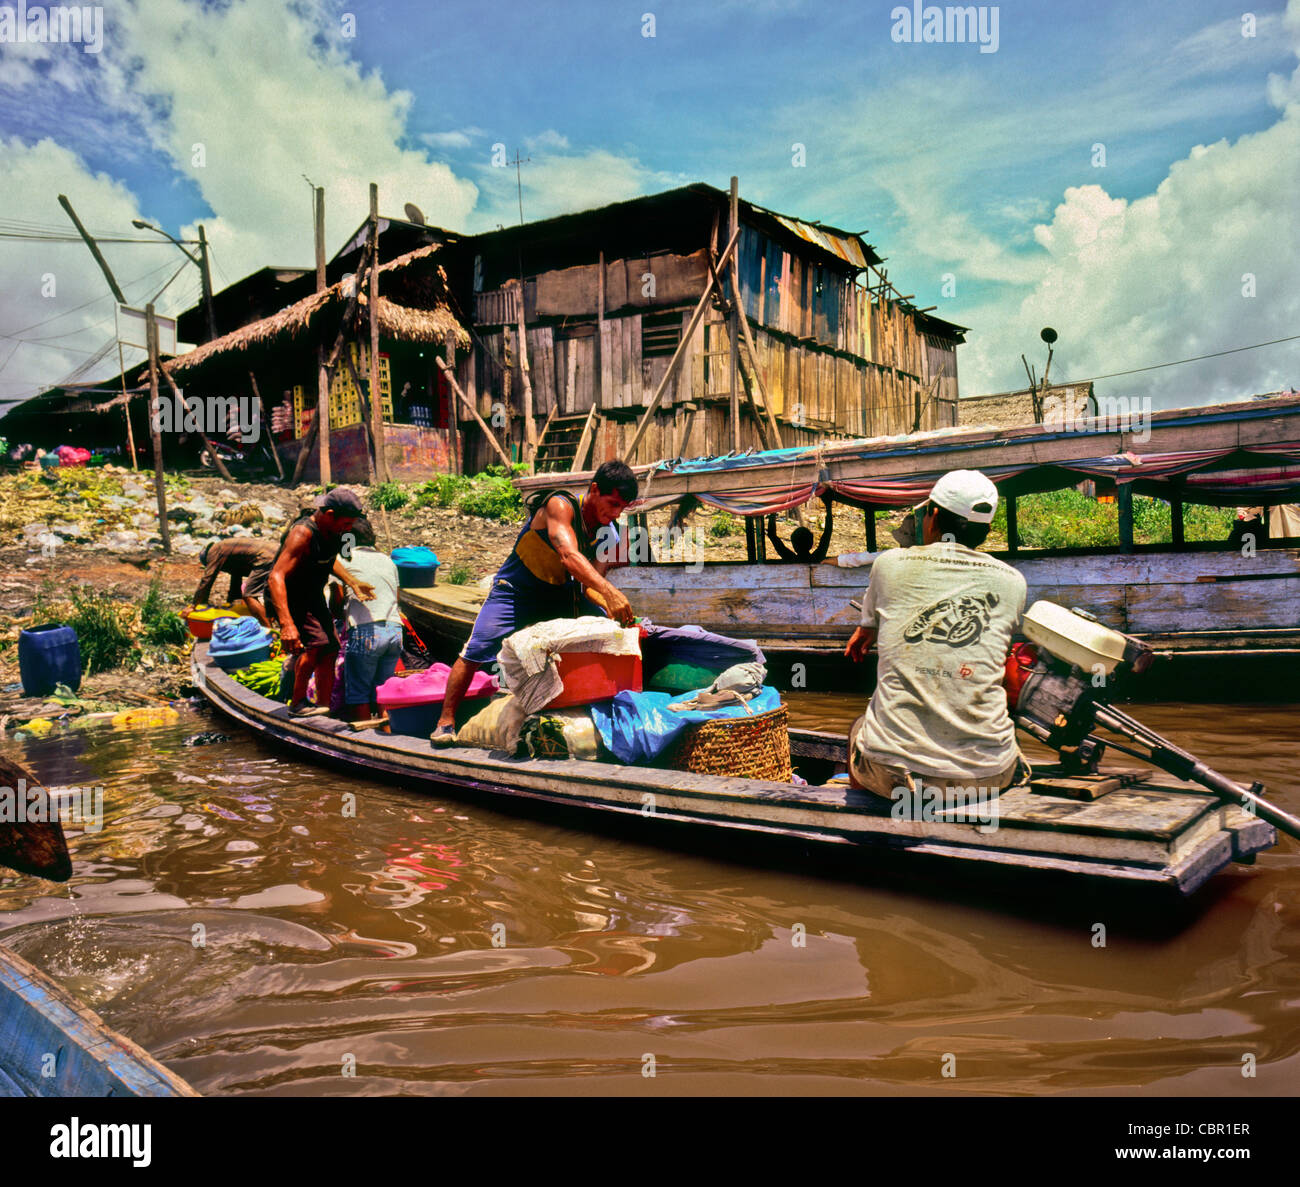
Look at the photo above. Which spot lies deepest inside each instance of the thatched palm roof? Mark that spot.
(318, 314)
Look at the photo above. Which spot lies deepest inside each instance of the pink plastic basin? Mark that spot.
(428, 685)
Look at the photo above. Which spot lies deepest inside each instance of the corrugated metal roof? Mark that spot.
(847, 247)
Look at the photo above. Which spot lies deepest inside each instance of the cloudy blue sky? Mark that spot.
(1124, 171)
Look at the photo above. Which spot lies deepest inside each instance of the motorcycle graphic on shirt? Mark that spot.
(958, 621)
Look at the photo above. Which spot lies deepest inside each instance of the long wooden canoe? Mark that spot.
(53, 1045)
(1128, 829)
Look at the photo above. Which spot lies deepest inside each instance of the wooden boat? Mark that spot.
(1199, 612)
(52, 1045)
(1127, 829)
(1224, 624)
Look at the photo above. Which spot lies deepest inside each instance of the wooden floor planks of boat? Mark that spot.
(52, 1045)
(1141, 830)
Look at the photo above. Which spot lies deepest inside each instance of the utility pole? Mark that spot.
(519, 182)
(94, 250)
(207, 283)
(376, 402)
(121, 300)
(322, 375)
(151, 336)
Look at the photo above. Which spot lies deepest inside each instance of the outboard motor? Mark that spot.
(1058, 702)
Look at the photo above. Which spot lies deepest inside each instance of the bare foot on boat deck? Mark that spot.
(307, 709)
(444, 735)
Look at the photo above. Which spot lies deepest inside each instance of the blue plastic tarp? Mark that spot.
(637, 727)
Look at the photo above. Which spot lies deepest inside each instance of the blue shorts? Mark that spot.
(509, 608)
(370, 658)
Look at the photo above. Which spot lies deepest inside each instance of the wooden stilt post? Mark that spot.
(530, 425)
(376, 400)
(453, 419)
(733, 230)
(464, 399)
(126, 405)
(869, 516)
(1013, 528)
(266, 419)
(1124, 497)
(151, 337)
(1176, 529)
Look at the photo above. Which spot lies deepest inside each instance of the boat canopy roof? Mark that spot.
(1221, 454)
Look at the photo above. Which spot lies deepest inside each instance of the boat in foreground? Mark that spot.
(1128, 828)
(53, 1045)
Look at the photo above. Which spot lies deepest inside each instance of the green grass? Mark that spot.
(459, 574)
(724, 524)
(443, 490)
(159, 625)
(492, 496)
(1070, 519)
(99, 622)
(389, 496)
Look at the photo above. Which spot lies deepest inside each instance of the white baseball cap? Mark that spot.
(966, 493)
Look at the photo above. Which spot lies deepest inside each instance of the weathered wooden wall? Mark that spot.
(836, 359)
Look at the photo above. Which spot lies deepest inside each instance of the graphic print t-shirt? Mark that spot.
(944, 614)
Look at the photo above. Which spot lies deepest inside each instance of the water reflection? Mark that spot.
(237, 920)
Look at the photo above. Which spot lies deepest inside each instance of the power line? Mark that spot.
(51, 237)
(102, 297)
(1196, 359)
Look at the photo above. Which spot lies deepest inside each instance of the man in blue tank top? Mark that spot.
(549, 573)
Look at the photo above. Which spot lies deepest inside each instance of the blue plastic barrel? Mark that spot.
(417, 566)
(48, 655)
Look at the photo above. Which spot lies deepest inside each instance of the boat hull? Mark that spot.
(52, 1045)
(1149, 834)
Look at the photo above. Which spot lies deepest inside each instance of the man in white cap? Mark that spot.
(942, 616)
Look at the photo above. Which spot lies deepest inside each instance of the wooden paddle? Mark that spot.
(30, 847)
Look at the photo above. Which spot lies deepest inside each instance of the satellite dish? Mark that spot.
(414, 214)
(1047, 334)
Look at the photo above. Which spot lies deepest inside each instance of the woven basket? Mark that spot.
(755, 747)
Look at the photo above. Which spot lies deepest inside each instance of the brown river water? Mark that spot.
(333, 943)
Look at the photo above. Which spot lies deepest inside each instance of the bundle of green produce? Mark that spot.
(262, 677)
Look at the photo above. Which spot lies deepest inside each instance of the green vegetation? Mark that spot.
(388, 496)
(441, 491)
(1070, 519)
(492, 496)
(724, 524)
(159, 625)
(102, 626)
(459, 574)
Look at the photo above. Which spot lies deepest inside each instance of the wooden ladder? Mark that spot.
(564, 443)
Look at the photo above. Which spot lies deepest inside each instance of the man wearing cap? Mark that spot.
(941, 615)
(240, 557)
(307, 558)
